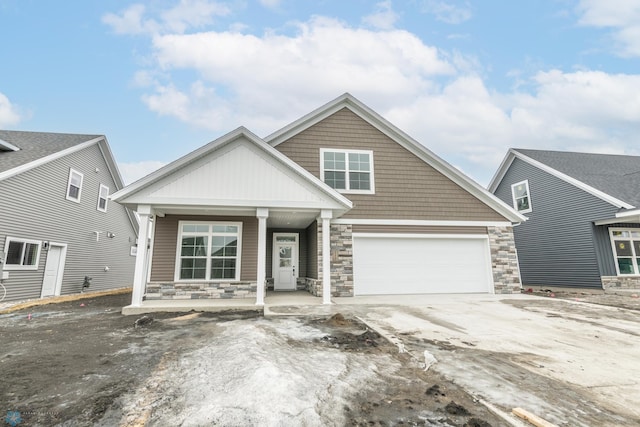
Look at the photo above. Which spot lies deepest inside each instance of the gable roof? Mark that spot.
(367, 114)
(21, 151)
(134, 193)
(610, 177)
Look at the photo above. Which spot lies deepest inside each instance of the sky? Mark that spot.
(467, 79)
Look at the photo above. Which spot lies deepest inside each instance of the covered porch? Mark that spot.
(229, 220)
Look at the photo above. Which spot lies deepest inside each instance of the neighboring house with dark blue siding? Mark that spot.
(57, 224)
(584, 217)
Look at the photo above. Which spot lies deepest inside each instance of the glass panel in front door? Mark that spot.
(285, 256)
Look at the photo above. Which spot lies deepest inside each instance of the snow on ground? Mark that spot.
(256, 372)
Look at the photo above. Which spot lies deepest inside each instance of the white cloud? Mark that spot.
(324, 58)
(447, 12)
(581, 111)
(9, 115)
(621, 16)
(265, 81)
(270, 4)
(135, 170)
(384, 18)
(187, 14)
(130, 21)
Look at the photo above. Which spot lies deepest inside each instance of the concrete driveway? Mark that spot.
(571, 363)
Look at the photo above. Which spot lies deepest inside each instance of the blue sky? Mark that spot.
(466, 79)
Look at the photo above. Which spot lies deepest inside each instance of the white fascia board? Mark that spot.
(41, 161)
(502, 170)
(125, 195)
(412, 222)
(575, 182)
(630, 216)
(8, 145)
(400, 137)
(105, 149)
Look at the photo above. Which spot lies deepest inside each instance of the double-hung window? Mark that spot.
(74, 186)
(348, 171)
(209, 251)
(21, 254)
(521, 197)
(626, 250)
(103, 197)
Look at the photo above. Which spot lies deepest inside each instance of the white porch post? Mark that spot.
(140, 273)
(262, 214)
(326, 216)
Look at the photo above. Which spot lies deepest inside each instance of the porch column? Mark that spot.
(262, 214)
(140, 272)
(326, 216)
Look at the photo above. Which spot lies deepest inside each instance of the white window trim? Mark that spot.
(347, 190)
(208, 267)
(71, 172)
(8, 267)
(106, 198)
(613, 240)
(513, 196)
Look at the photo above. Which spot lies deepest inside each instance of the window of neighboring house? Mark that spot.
(209, 251)
(521, 197)
(21, 254)
(103, 196)
(626, 249)
(348, 171)
(74, 187)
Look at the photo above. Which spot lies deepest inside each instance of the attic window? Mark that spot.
(521, 197)
(348, 171)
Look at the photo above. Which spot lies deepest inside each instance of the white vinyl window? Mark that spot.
(74, 187)
(521, 196)
(21, 254)
(103, 198)
(348, 171)
(626, 250)
(208, 251)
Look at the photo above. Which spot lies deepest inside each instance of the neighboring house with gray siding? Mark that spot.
(57, 224)
(338, 203)
(583, 229)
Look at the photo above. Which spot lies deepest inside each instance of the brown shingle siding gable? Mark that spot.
(406, 187)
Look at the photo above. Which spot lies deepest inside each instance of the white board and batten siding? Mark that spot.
(385, 264)
(33, 205)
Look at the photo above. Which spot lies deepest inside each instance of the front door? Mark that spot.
(285, 261)
(53, 270)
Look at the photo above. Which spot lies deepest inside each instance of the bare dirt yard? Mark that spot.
(82, 363)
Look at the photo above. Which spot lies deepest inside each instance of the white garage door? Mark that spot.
(420, 265)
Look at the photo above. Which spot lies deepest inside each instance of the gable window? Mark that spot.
(21, 254)
(521, 197)
(626, 250)
(74, 187)
(103, 197)
(209, 251)
(348, 171)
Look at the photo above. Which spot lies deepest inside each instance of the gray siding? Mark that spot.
(557, 245)
(603, 247)
(33, 205)
(405, 186)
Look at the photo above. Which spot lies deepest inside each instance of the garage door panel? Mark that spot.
(417, 265)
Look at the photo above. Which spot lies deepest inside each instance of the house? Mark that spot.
(341, 190)
(584, 217)
(59, 233)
